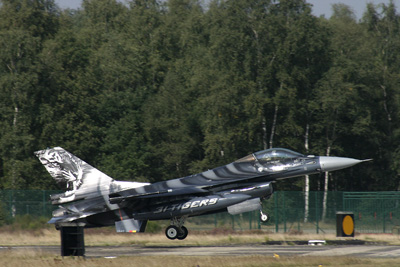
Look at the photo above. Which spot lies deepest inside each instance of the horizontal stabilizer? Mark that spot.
(130, 226)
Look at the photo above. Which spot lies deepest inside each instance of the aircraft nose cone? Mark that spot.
(336, 163)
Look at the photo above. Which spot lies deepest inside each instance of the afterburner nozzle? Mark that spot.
(336, 163)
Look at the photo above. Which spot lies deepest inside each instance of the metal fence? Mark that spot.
(287, 214)
(22, 202)
(374, 212)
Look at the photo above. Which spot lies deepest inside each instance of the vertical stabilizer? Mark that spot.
(81, 180)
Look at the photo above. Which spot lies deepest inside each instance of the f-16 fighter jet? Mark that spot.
(94, 199)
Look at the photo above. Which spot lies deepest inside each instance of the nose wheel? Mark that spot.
(264, 217)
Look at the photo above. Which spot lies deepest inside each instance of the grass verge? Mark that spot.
(108, 237)
(38, 259)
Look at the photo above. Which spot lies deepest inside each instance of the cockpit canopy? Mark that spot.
(276, 154)
(269, 155)
(274, 159)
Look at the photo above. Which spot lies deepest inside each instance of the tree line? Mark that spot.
(150, 90)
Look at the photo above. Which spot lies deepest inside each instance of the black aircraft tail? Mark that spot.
(80, 180)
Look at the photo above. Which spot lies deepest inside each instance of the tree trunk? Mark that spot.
(15, 119)
(264, 128)
(328, 150)
(14, 175)
(306, 180)
(271, 139)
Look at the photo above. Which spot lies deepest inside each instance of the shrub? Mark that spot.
(153, 227)
(29, 222)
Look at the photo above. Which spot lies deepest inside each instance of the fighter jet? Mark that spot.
(94, 199)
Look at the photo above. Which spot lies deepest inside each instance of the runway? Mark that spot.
(373, 251)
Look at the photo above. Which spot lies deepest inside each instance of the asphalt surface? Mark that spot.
(374, 251)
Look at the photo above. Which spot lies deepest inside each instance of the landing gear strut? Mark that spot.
(176, 230)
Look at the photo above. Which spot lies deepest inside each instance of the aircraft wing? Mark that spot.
(168, 189)
(117, 198)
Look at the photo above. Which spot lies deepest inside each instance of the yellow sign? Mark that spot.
(348, 225)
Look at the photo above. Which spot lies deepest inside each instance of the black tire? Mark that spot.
(183, 234)
(264, 218)
(172, 232)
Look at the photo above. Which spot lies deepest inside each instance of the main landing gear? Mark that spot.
(176, 230)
